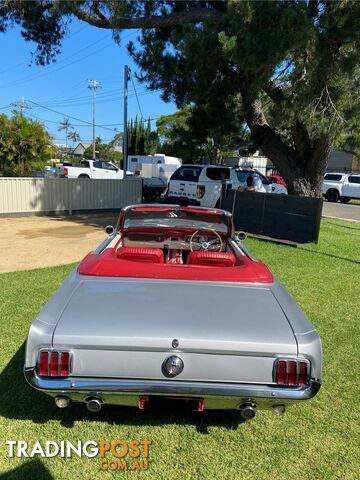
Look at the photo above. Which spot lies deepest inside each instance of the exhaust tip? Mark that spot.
(93, 405)
(247, 411)
(62, 402)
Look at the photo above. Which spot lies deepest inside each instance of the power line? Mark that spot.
(137, 99)
(66, 115)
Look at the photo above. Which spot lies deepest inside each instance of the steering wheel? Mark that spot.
(214, 245)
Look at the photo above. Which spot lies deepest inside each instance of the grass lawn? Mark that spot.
(318, 439)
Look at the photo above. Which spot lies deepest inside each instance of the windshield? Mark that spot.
(176, 218)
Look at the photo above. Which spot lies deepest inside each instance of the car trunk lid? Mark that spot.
(148, 315)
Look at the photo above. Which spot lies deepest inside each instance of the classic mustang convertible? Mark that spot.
(171, 307)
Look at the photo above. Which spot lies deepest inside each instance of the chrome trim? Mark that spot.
(89, 385)
(175, 207)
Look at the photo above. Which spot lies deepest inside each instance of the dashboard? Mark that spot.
(173, 242)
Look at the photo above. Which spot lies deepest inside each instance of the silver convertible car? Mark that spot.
(172, 308)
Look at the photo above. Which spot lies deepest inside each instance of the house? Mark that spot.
(79, 150)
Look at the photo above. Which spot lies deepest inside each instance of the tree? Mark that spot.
(74, 137)
(25, 145)
(288, 68)
(65, 125)
(141, 140)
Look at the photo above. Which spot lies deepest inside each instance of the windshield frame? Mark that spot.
(176, 208)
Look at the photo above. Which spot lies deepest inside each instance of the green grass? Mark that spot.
(318, 439)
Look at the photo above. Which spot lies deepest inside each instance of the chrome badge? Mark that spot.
(172, 366)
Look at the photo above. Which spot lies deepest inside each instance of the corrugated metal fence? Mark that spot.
(36, 195)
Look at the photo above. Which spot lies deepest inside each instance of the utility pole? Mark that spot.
(22, 105)
(125, 139)
(93, 85)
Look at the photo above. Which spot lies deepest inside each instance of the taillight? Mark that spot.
(291, 372)
(53, 363)
(138, 173)
(66, 171)
(200, 191)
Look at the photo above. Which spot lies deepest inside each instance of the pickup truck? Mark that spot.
(341, 186)
(90, 169)
(202, 184)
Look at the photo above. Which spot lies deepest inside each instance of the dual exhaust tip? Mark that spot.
(92, 404)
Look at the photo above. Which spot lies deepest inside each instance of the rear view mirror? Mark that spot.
(109, 229)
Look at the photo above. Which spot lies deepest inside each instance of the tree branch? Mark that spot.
(152, 21)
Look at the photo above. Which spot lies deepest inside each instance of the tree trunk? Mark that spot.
(303, 165)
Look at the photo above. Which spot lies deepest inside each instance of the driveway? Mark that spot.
(342, 211)
(35, 242)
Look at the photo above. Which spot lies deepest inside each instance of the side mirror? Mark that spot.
(241, 236)
(109, 229)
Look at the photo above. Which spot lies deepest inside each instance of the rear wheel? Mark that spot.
(345, 200)
(332, 195)
(83, 175)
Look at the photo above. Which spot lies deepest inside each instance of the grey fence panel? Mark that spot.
(42, 195)
(283, 217)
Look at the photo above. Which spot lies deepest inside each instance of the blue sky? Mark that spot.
(86, 53)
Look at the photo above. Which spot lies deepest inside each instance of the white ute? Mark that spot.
(341, 186)
(91, 169)
(202, 184)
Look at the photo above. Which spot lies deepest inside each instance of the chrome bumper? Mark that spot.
(112, 391)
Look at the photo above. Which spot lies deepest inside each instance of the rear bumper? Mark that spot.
(183, 201)
(127, 391)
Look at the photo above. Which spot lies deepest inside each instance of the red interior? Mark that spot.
(122, 263)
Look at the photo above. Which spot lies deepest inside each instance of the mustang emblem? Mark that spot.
(172, 366)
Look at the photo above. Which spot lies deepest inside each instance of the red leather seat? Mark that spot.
(216, 259)
(141, 254)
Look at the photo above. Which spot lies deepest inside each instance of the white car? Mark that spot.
(202, 184)
(91, 169)
(341, 186)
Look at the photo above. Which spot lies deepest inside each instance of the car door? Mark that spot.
(96, 170)
(351, 187)
(110, 170)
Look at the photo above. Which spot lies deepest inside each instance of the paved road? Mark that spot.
(340, 210)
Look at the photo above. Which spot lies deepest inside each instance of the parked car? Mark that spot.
(277, 179)
(202, 184)
(155, 170)
(91, 169)
(341, 186)
(172, 307)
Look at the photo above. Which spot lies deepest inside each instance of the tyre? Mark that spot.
(83, 175)
(332, 195)
(344, 200)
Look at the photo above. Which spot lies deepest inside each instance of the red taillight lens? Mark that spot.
(302, 373)
(280, 373)
(54, 364)
(43, 363)
(64, 364)
(291, 372)
(66, 171)
(200, 191)
(138, 173)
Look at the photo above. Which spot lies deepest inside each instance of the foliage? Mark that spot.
(105, 151)
(142, 140)
(74, 137)
(25, 145)
(188, 135)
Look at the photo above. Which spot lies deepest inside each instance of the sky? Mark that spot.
(87, 53)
